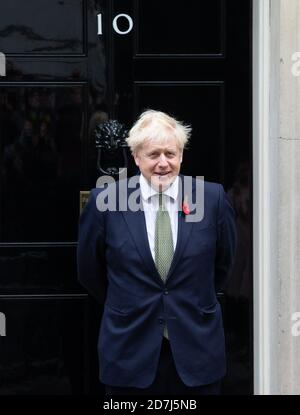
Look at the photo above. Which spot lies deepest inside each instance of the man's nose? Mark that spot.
(162, 161)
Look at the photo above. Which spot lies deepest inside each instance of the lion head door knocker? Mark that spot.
(111, 145)
(112, 157)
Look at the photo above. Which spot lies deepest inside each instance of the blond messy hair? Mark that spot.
(157, 126)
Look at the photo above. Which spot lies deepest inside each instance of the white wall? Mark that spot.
(276, 147)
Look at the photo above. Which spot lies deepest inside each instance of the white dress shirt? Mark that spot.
(151, 204)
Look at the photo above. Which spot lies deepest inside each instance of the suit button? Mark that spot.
(166, 292)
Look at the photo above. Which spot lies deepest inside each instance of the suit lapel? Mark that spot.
(137, 227)
(184, 230)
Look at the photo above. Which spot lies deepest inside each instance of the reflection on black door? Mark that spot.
(70, 67)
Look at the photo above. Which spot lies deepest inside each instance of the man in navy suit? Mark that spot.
(156, 272)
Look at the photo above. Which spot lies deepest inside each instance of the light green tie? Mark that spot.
(163, 247)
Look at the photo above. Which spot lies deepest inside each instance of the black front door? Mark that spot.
(70, 66)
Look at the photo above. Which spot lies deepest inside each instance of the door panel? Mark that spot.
(41, 162)
(167, 28)
(38, 269)
(44, 351)
(43, 27)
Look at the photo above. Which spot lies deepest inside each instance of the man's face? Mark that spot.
(159, 163)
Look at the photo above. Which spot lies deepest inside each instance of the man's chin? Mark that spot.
(161, 183)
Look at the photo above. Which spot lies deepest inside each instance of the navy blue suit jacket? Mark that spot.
(116, 266)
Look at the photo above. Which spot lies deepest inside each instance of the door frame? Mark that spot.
(264, 215)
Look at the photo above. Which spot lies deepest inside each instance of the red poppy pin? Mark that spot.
(185, 207)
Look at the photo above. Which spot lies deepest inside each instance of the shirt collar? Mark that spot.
(147, 191)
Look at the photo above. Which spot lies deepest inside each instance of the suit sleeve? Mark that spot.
(91, 264)
(226, 241)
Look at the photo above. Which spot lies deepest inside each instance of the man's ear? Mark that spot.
(136, 158)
